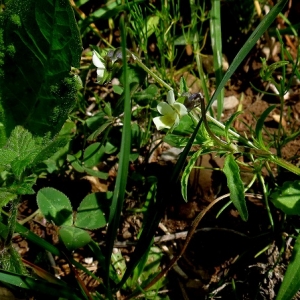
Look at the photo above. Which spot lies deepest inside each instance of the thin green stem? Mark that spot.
(12, 221)
(265, 194)
(159, 80)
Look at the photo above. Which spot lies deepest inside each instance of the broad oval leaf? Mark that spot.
(55, 206)
(235, 185)
(92, 211)
(73, 238)
(41, 43)
(93, 154)
(287, 197)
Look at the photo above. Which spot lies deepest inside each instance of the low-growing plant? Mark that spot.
(40, 45)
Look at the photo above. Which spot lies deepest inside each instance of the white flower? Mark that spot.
(171, 112)
(99, 65)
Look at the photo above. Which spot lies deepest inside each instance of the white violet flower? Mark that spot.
(99, 65)
(171, 112)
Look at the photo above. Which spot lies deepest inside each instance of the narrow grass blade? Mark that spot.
(291, 280)
(254, 37)
(216, 43)
(186, 173)
(39, 286)
(121, 180)
(260, 125)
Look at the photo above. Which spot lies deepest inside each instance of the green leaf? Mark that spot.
(216, 42)
(235, 185)
(117, 89)
(121, 180)
(6, 196)
(73, 238)
(19, 151)
(98, 131)
(291, 280)
(183, 88)
(118, 263)
(92, 211)
(135, 74)
(24, 188)
(36, 239)
(99, 174)
(93, 154)
(55, 206)
(186, 173)
(75, 163)
(110, 10)
(260, 125)
(175, 141)
(39, 286)
(146, 96)
(94, 122)
(251, 41)
(51, 149)
(41, 43)
(287, 197)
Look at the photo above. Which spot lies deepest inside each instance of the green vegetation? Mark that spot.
(145, 91)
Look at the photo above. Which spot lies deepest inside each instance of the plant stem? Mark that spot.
(159, 80)
(12, 221)
(265, 193)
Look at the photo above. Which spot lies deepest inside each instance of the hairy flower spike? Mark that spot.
(171, 113)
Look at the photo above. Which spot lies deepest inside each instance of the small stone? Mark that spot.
(229, 103)
(88, 260)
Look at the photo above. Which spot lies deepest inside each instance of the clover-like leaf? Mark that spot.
(55, 206)
(92, 211)
(73, 238)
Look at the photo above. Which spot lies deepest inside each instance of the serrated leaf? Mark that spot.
(51, 149)
(23, 188)
(6, 197)
(55, 206)
(186, 173)
(92, 211)
(287, 197)
(291, 280)
(41, 43)
(23, 148)
(73, 238)
(6, 157)
(235, 185)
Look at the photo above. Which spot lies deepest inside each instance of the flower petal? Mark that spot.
(181, 109)
(171, 97)
(176, 122)
(164, 122)
(97, 62)
(165, 109)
